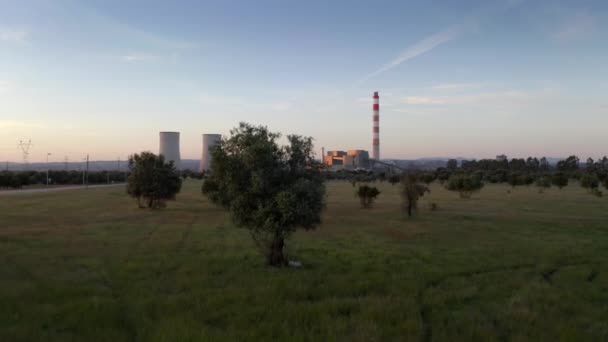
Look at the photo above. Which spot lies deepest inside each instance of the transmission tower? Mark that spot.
(25, 150)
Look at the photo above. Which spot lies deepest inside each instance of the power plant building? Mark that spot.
(209, 140)
(169, 147)
(351, 160)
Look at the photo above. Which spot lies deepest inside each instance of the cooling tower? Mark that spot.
(169, 147)
(209, 140)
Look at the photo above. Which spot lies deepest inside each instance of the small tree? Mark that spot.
(411, 191)
(466, 185)
(559, 179)
(591, 182)
(394, 179)
(367, 195)
(152, 181)
(269, 189)
(543, 182)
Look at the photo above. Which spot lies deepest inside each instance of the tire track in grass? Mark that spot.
(547, 275)
(425, 310)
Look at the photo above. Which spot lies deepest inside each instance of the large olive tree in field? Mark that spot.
(269, 189)
(152, 181)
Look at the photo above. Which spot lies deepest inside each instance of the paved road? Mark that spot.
(61, 188)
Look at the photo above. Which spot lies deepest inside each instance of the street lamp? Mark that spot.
(47, 168)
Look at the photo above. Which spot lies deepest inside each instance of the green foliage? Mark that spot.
(452, 164)
(269, 189)
(466, 185)
(568, 165)
(543, 182)
(367, 195)
(559, 179)
(517, 178)
(152, 180)
(19, 179)
(411, 191)
(428, 177)
(394, 179)
(591, 182)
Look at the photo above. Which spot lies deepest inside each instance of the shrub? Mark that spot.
(559, 179)
(152, 180)
(367, 195)
(543, 182)
(466, 185)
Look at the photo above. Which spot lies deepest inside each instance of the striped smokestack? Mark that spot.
(376, 129)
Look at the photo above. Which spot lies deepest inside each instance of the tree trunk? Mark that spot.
(409, 209)
(275, 255)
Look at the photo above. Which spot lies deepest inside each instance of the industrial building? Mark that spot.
(169, 147)
(209, 140)
(341, 160)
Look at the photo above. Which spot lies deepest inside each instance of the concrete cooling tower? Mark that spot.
(169, 147)
(209, 140)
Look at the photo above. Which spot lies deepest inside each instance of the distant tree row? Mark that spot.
(20, 179)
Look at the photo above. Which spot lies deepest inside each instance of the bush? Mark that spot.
(466, 185)
(543, 182)
(152, 180)
(559, 179)
(367, 195)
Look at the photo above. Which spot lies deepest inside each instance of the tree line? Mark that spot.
(20, 179)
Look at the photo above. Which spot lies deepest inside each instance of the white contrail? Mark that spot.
(425, 45)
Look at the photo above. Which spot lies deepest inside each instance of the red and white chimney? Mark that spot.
(376, 129)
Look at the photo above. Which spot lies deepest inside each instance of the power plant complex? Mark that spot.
(334, 160)
(358, 159)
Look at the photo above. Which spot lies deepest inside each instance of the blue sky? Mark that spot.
(456, 78)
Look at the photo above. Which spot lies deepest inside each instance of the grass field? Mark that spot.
(88, 265)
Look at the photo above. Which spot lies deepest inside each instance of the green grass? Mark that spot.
(88, 265)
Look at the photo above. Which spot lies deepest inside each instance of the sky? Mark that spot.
(466, 79)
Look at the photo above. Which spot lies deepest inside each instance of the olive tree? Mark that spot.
(367, 195)
(559, 179)
(269, 189)
(411, 191)
(152, 181)
(543, 182)
(591, 182)
(466, 185)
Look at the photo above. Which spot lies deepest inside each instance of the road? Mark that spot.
(61, 188)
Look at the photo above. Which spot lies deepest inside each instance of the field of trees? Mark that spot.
(508, 263)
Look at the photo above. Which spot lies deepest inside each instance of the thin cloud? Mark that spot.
(425, 45)
(579, 26)
(457, 86)
(13, 36)
(476, 98)
(424, 100)
(134, 58)
(4, 86)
